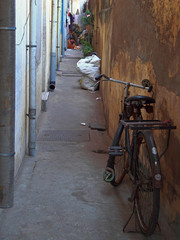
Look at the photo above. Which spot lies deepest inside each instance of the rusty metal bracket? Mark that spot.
(31, 46)
(8, 28)
(7, 154)
(31, 114)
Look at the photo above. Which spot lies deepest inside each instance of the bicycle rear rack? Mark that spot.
(150, 125)
(147, 125)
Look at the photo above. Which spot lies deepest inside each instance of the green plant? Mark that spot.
(88, 19)
(86, 48)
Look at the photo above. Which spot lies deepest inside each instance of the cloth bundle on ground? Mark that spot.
(90, 68)
(73, 40)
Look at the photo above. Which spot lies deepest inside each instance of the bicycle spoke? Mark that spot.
(146, 196)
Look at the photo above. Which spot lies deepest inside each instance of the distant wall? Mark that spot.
(139, 39)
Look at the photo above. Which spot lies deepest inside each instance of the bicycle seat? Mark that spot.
(146, 99)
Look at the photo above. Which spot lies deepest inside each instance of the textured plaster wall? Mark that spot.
(139, 39)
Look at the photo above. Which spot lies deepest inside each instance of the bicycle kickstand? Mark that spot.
(132, 199)
(129, 219)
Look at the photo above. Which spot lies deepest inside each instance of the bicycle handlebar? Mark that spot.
(149, 88)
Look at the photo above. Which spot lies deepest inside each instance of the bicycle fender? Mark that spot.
(157, 176)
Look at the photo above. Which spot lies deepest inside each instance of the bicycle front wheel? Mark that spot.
(147, 197)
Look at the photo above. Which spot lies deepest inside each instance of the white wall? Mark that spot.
(22, 22)
(22, 69)
(77, 4)
(81, 2)
(39, 56)
(46, 45)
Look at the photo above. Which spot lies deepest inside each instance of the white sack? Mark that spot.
(89, 66)
(87, 83)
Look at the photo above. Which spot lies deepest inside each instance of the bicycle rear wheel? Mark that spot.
(147, 199)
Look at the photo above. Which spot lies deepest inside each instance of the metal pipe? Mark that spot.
(65, 24)
(32, 78)
(53, 48)
(7, 100)
(59, 34)
(62, 27)
(44, 86)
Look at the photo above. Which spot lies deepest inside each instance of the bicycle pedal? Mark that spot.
(116, 151)
(108, 175)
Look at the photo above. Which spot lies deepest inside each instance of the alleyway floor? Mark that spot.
(60, 194)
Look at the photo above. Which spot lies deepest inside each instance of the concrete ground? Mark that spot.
(60, 194)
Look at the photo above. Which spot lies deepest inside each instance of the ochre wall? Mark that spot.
(138, 39)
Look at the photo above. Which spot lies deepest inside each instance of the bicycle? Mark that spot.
(136, 154)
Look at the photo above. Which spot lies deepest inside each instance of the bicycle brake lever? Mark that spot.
(150, 89)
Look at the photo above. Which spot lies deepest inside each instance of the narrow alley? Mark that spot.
(60, 194)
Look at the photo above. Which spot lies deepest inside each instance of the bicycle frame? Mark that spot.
(142, 160)
(125, 124)
(132, 153)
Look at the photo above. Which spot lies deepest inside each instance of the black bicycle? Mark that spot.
(135, 153)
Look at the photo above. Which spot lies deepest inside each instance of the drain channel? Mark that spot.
(64, 135)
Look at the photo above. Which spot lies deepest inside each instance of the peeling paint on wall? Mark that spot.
(167, 18)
